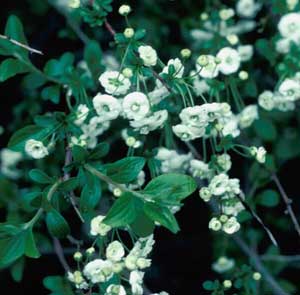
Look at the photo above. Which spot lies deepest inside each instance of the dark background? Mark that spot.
(180, 262)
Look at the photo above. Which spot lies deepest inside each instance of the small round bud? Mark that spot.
(215, 224)
(223, 218)
(256, 276)
(124, 10)
(130, 262)
(204, 16)
(227, 284)
(90, 251)
(74, 3)
(77, 256)
(130, 141)
(185, 53)
(129, 33)
(127, 72)
(226, 14)
(117, 267)
(205, 194)
(243, 75)
(117, 192)
(232, 39)
(202, 60)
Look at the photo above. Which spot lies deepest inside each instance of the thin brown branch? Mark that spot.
(15, 42)
(288, 202)
(109, 27)
(60, 254)
(258, 265)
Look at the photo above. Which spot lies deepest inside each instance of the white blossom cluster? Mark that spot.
(9, 161)
(117, 262)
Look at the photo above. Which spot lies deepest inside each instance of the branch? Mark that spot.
(287, 201)
(276, 288)
(15, 42)
(281, 258)
(60, 254)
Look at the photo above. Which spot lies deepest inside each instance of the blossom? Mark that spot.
(290, 89)
(77, 279)
(98, 271)
(289, 26)
(245, 52)
(136, 105)
(224, 162)
(136, 282)
(36, 149)
(205, 194)
(215, 224)
(230, 60)
(124, 10)
(247, 8)
(219, 184)
(148, 55)
(196, 116)
(115, 290)
(265, 100)
(231, 226)
(98, 227)
(259, 154)
(178, 66)
(81, 114)
(106, 106)
(200, 169)
(210, 70)
(9, 160)
(248, 116)
(115, 251)
(223, 264)
(114, 82)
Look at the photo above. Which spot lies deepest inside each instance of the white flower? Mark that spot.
(214, 224)
(205, 194)
(219, 184)
(77, 279)
(114, 82)
(289, 26)
(232, 207)
(158, 94)
(230, 60)
(74, 3)
(81, 114)
(106, 106)
(115, 290)
(124, 10)
(98, 227)
(258, 153)
(226, 13)
(187, 133)
(136, 105)
(224, 162)
(283, 45)
(230, 126)
(265, 100)
(290, 89)
(98, 271)
(245, 52)
(136, 282)
(223, 264)
(36, 149)
(194, 116)
(231, 226)
(148, 55)
(247, 8)
(200, 86)
(115, 251)
(200, 169)
(210, 70)
(178, 66)
(248, 116)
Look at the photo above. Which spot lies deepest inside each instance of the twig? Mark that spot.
(60, 254)
(15, 42)
(276, 288)
(287, 201)
(68, 160)
(110, 28)
(281, 258)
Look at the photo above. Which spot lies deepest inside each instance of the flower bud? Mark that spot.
(130, 141)
(204, 16)
(77, 256)
(223, 218)
(243, 75)
(117, 192)
(124, 10)
(256, 276)
(202, 60)
(90, 251)
(129, 33)
(227, 284)
(185, 53)
(117, 267)
(127, 72)
(232, 39)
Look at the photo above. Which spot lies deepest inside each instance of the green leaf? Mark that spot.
(125, 170)
(56, 224)
(11, 67)
(51, 93)
(171, 187)
(143, 226)
(79, 153)
(93, 57)
(268, 198)
(265, 129)
(100, 151)
(58, 285)
(124, 211)
(69, 184)
(40, 176)
(162, 215)
(30, 246)
(90, 194)
(17, 270)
